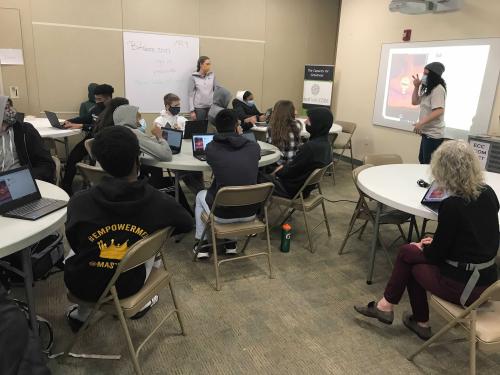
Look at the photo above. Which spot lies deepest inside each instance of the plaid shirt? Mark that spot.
(289, 152)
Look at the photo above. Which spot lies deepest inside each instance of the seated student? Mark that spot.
(155, 146)
(21, 144)
(105, 220)
(102, 93)
(86, 106)
(284, 130)
(235, 162)
(247, 111)
(466, 238)
(315, 153)
(169, 117)
(106, 117)
(222, 97)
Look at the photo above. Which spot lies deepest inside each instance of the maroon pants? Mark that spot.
(414, 273)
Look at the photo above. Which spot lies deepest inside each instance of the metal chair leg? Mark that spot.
(326, 219)
(362, 229)
(311, 249)
(268, 240)
(216, 262)
(177, 311)
(371, 265)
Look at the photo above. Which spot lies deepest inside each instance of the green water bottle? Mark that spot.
(286, 236)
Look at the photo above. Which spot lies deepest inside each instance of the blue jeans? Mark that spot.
(427, 147)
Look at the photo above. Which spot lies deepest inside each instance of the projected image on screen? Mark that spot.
(400, 86)
(471, 75)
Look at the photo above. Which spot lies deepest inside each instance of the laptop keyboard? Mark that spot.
(32, 206)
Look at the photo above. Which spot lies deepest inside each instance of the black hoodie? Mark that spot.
(103, 222)
(235, 162)
(31, 151)
(315, 153)
(244, 111)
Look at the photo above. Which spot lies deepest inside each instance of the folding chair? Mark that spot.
(237, 196)
(157, 281)
(300, 203)
(365, 210)
(331, 139)
(481, 319)
(91, 174)
(345, 142)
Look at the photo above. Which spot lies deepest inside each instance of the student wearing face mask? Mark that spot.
(169, 117)
(247, 111)
(102, 94)
(430, 93)
(222, 97)
(21, 144)
(201, 89)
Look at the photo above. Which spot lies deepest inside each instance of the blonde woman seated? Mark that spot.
(466, 238)
(284, 131)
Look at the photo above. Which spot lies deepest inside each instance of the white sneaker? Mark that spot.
(203, 253)
(230, 248)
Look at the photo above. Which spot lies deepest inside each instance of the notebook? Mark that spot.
(251, 137)
(200, 142)
(433, 198)
(20, 197)
(195, 127)
(174, 139)
(54, 121)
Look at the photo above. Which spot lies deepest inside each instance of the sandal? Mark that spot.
(371, 311)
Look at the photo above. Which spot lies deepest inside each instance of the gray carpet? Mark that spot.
(301, 322)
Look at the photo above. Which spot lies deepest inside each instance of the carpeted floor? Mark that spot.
(300, 322)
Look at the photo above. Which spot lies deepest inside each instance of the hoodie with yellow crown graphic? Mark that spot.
(103, 222)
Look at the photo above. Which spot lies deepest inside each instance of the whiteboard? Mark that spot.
(471, 75)
(155, 65)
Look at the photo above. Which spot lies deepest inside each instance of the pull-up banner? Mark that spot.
(318, 83)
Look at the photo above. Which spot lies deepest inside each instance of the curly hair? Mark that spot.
(456, 168)
(282, 123)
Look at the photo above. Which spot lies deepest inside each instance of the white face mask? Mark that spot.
(251, 103)
(424, 80)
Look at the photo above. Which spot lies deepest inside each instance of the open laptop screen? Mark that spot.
(16, 188)
(200, 142)
(173, 137)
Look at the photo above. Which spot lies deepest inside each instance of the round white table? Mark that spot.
(19, 234)
(395, 185)
(335, 129)
(42, 125)
(185, 161)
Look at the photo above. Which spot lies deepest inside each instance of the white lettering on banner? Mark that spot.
(481, 149)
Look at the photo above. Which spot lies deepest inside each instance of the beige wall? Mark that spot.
(260, 45)
(364, 26)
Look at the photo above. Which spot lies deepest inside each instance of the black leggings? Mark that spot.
(75, 156)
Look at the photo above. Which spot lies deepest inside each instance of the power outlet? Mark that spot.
(14, 92)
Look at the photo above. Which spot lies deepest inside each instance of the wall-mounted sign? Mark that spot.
(318, 83)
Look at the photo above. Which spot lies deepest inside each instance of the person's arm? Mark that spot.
(298, 164)
(415, 97)
(42, 165)
(191, 92)
(71, 225)
(155, 146)
(444, 238)
(178, 216)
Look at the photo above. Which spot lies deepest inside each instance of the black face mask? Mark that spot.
(174, 110)
(100, 106)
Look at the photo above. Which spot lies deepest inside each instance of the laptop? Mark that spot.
(54, 121)
(433, 198)
(174, 139)
(200, 142)
(20, 197)
(195, 127)
(251, 137)
(20, 117)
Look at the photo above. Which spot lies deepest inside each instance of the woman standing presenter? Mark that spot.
(430, 93)
(201, 89)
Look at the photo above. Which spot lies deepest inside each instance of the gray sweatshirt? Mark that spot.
(201, 90)
(222, 97)
(126, 115)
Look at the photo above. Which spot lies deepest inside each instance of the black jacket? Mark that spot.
(235, 162)
(315, 153)
(90, 119)
(244, 111)
(467, 232)
(32, 151)
(103, 222)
